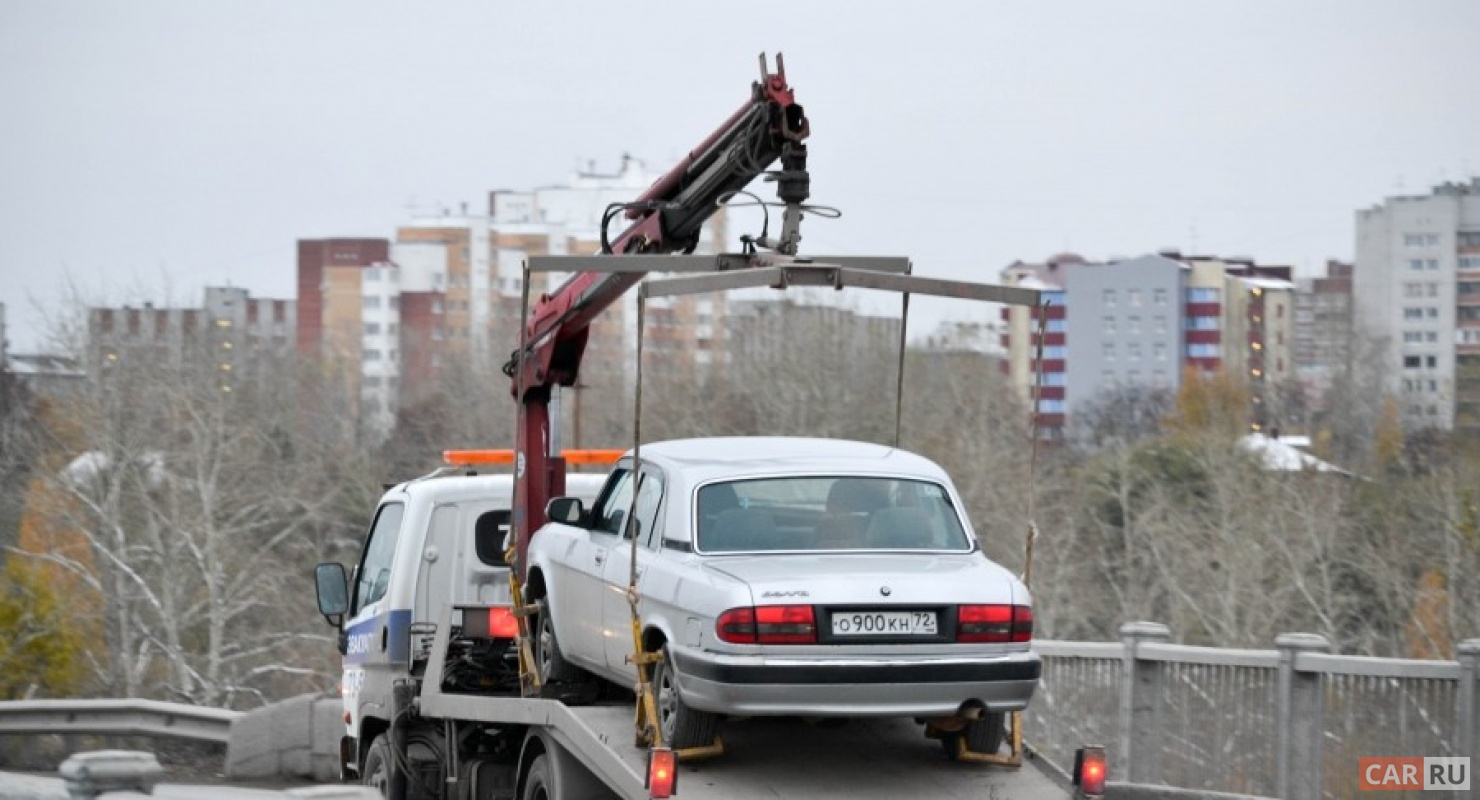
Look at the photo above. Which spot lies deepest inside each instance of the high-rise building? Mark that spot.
(447, 291)
(1137, 324)
(1416, 290)
(225, 340)
(1323, 330)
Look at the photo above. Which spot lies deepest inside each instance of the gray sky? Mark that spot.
(150, 148)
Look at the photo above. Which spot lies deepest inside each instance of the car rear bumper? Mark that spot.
(765, 686)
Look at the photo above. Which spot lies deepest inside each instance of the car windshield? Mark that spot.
(827, 513)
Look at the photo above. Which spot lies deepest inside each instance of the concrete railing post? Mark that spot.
(1469, 700)
(1140, 704)
(1298, 717)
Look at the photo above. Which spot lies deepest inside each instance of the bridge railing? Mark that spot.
(133, 717)
(1289, 722)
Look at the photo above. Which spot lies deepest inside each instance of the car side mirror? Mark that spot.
(567, 510)
(333, 591)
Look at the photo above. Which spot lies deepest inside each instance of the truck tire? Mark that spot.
(682, 727)
(377, 770)
(537, 783)
(549, 661)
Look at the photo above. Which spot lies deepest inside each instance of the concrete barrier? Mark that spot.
(295, 738)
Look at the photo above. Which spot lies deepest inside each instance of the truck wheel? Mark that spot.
(682, 727)
(548, 660)
(537, 785)
(377, 770)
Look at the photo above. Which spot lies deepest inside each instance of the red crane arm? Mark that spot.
(667, 218)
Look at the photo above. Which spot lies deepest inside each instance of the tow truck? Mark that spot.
(441, 698)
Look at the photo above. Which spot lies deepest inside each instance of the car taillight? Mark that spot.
(736, 626)
(767, 625)
(994, 623)
(1022, 623)
(785, 625)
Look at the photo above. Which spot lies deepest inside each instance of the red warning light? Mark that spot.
(1090, 770)
(662, 772)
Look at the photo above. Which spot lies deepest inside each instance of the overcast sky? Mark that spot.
(148, 149)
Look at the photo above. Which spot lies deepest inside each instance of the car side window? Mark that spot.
(611, 510)
(649, 499)
(380, 551)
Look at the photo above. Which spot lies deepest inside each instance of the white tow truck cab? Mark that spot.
(434, 544)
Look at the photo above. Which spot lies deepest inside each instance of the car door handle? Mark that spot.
(600, 556)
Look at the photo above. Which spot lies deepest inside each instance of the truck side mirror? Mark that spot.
(567, 510)
(333, 592)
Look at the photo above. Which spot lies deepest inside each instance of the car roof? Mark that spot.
(707, 458)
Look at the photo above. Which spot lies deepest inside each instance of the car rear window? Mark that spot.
(810, 513)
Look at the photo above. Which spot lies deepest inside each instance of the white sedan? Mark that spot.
(785, 576)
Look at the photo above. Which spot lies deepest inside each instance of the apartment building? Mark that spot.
(1138, 324)
(1416, 292)
(1323, 330)
(227, 340)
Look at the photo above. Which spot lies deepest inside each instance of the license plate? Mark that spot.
(884, 623)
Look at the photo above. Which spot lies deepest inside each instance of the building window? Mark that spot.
(436, 305)
(1133, 350)
(1055, 326)
(1056, 298)
(1413, 290)
(1415, 264)
(1432, 263)
(1133, 296)
(1159, 351)
(1109, 325)
(1432, 312)
(1412, 312)
(1053, 352)
(372, 328)
(372, 355)
(1159, 296)
(1053, 378)
(1202, 351)
(1133, 324)
(1432, 362)
(372, 301)
(1107, 351)
(1433, 290)
(1108, 298)
(1050, 406)
(1133, 377)
(1432, 336)
(1160, 325)
(1412, 337)
(1202, 323)
(1203, 295)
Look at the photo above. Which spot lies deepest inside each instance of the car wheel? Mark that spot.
(377, 771)
(537, 784)
(981, 736)
(548, 659)
(682, 727)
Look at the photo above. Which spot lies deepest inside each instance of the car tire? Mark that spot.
(537, 782)
(549, 661)
(982, 736)
(682, 727)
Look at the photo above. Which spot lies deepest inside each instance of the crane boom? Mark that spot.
(667, 218)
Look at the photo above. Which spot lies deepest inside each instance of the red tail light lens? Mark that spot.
(785, 625)
(994, 623)
(736, 626)
(1022, 624)
(767, 625)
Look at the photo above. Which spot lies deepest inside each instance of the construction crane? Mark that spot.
(666, 219)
